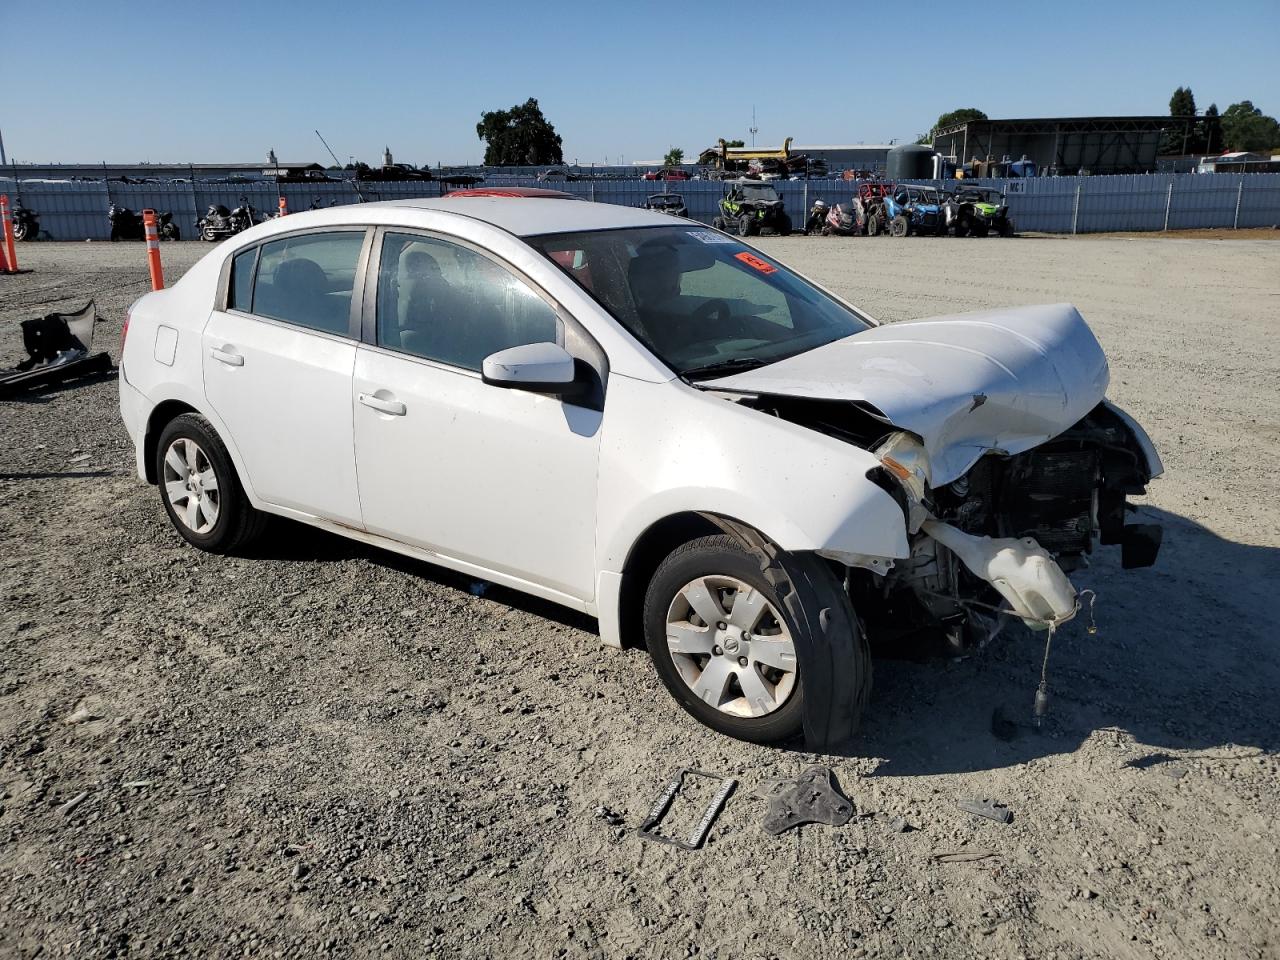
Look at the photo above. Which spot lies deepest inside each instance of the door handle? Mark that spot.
(229, 357)
(394, 407)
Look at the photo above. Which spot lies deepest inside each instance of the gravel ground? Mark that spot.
(327, 750)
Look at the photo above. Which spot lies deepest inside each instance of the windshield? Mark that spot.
(759, 193)
(700, 300)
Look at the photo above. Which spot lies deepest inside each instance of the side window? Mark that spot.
(242, 280)
(307, 280)
(444, 302)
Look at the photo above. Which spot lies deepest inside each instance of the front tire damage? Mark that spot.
(832, 681)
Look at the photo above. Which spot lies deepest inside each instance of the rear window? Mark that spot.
(305, 279)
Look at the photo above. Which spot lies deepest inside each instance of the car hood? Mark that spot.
(999, 380)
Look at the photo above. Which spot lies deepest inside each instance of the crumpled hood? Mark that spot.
(1004, 380)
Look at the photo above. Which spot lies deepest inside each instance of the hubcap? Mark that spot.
(731, 647)
(191, 485)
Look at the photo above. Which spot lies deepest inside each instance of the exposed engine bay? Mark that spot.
(1001, 538)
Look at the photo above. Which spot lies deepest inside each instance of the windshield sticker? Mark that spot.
(708, 236)
(755, 263)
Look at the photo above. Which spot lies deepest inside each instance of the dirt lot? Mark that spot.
(327, 750)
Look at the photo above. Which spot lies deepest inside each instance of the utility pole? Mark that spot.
(4, 161)
(754, 128)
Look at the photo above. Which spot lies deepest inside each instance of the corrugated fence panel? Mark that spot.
(77, 210)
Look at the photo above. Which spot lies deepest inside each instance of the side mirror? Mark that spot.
(536, 367)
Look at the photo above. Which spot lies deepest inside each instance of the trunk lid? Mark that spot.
(1000, 380)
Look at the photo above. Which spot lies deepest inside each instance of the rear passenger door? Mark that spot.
(278, 355)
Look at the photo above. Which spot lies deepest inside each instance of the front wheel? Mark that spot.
(744, 226)
(208, 233)
(170, 232)
(200, 490)
(873, 225)
(20, 230)
(718, 223)
(727, 625)
(784, 226)
(1006, 228)
(899, 227)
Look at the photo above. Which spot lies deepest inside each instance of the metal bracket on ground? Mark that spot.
(649, 829)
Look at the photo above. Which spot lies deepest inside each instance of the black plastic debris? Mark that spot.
(813, 797)
(649, 828)
(59, 347)
(987, 808)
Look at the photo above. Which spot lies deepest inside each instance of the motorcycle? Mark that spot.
(218, 222)
(841, 221)
(816, 218)
(127, 225)
(26, 223)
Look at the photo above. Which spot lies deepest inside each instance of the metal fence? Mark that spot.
(77, 210)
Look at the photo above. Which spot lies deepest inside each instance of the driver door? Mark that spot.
(498, 479)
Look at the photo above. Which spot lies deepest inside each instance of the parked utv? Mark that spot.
(751, 206)
(977, 211)
(914, 209)
(868, 206)
(218, 222)
(672, 203)
(127, 224)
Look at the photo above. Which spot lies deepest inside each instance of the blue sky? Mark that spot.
(127, 81)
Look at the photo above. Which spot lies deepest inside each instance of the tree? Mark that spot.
(735, 143)
(519, 136)
(1182, 103)
(674, 157)
(963, 115)
(1245, 127)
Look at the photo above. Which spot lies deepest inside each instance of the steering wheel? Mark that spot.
(717, 309)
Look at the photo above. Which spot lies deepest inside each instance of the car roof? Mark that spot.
(524, 217)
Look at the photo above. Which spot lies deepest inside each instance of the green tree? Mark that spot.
(1182, 103)
(1211, 130)
(735, 143)
(1245, 127)
(519, 136)
(963, 115)
(674, 157)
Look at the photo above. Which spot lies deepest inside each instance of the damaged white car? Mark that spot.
(645, 420)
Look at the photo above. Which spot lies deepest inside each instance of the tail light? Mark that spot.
(124, 332)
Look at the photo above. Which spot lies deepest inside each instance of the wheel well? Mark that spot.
(646, 554)
(159, 419)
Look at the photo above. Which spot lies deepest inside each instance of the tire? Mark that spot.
(718, 223)
(189, 440)
(744, 226)
(979, 229)
(873, 225)
(800, 598)
(115, 234)
(170, 232)
(899, 226)
(208, 234)
(784, 226)
(962, 226)
(1006, 227)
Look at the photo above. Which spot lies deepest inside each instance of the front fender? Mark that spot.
(669, 448)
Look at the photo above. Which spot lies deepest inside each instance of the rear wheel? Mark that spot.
(725, 624)
(20, 230)
(200, 489)
(899, 227)
(1006, 228)
(784, 226)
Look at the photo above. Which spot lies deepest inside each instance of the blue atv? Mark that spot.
(914, 209)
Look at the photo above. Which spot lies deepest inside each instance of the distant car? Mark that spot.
(642, 419)
(542, 192)
(557, 173)
(668, 173)
(670, 203)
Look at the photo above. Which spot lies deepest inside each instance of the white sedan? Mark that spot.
(644, 419)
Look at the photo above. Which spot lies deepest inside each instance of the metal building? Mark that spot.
(1064, 145)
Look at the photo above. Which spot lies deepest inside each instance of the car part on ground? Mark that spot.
(987, 808)
(698, 833)
(59, 347)
(813, 797)
(750, 207)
